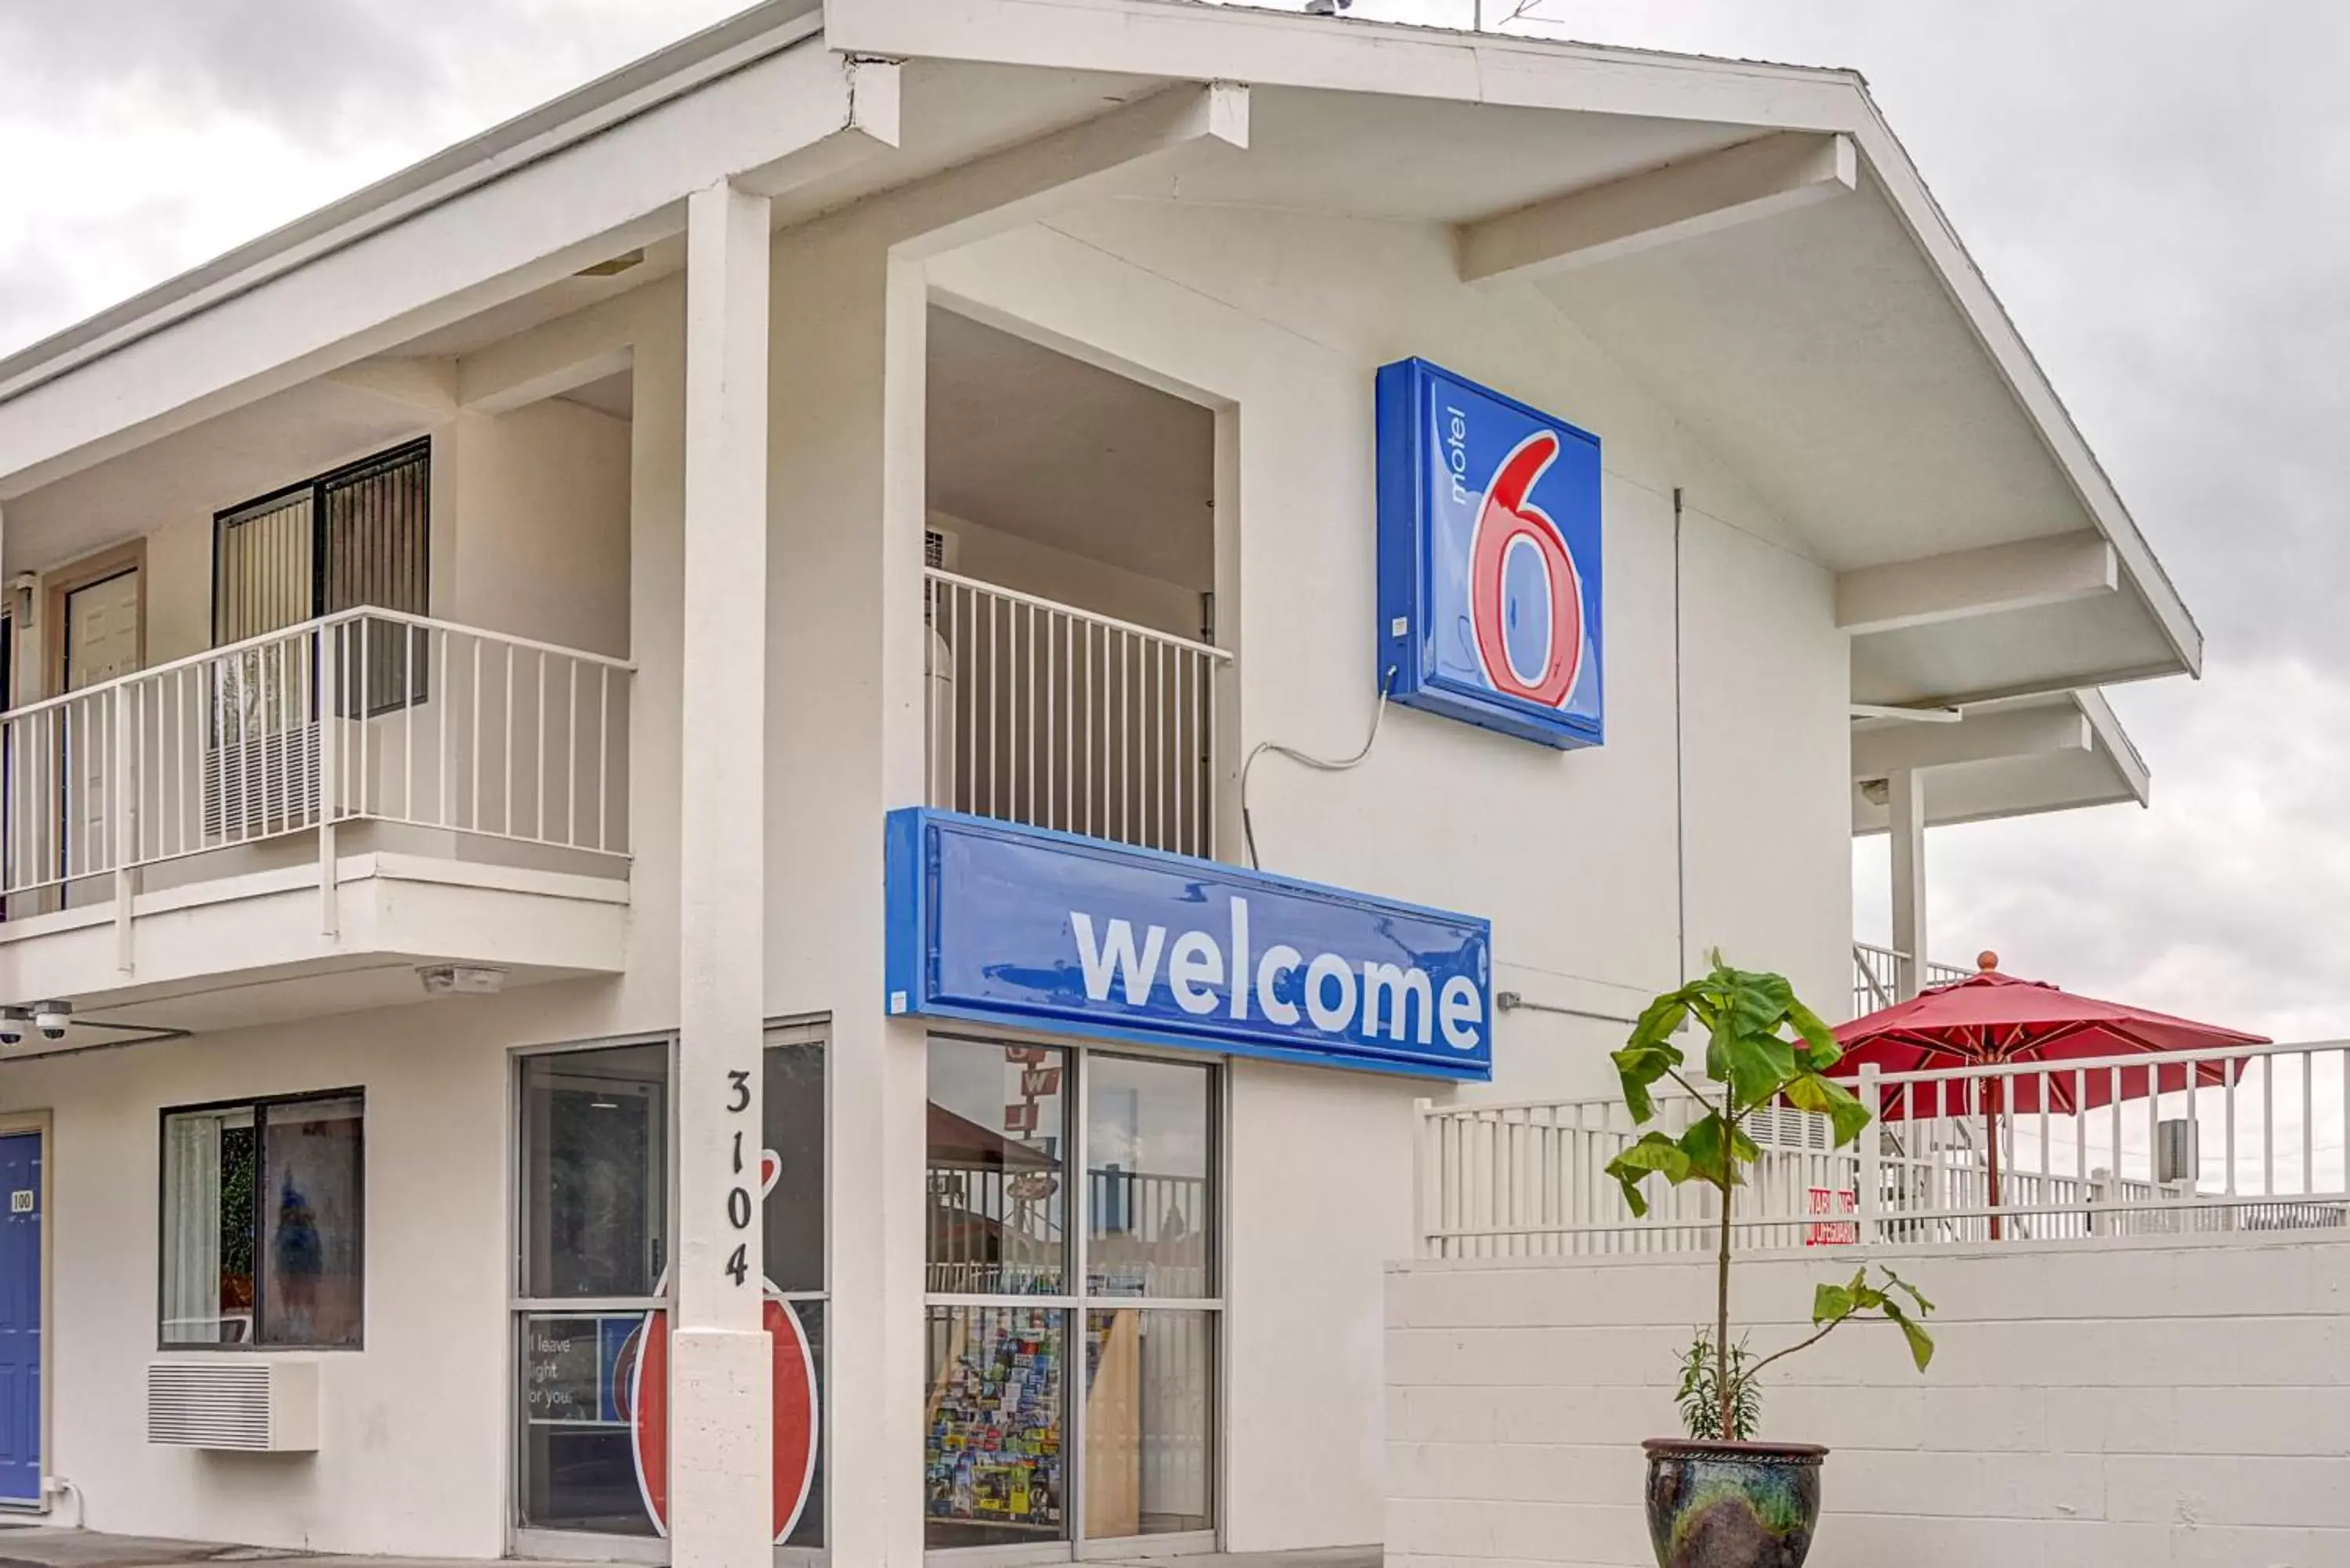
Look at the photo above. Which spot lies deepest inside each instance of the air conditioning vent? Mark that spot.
(262, 784)
(1786, 1129)
(246, 1404)
(939, 551)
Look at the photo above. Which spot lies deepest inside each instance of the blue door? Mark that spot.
(20, 1318)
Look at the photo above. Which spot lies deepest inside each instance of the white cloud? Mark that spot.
(140, 138)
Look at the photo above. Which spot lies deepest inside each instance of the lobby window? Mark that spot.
(591, 1324)
(263, 1223)
(1073, 1321)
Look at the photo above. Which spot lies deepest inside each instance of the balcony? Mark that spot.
(1877, 976)
(295, 824)
(1046, 714)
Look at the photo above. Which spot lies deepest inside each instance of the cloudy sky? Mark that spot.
(2144, 181)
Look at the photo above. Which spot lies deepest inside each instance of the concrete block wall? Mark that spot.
(2141, 1405)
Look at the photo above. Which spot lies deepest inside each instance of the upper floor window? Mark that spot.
(358, 535)
(262, 1223)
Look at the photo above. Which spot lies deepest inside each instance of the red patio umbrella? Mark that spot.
(1990, 1018)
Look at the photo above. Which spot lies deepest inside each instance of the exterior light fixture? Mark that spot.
(462, 980)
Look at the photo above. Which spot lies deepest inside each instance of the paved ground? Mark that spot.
(42, 1546)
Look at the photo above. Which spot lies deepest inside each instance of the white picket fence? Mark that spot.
(2202, 1143)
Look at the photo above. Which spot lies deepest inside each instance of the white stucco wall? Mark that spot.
(2106, 1407)
(541, 534)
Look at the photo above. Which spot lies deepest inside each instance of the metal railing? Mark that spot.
(994, 1231)
(1877, 976)
(1046, 714)
(363, 715)
(2190, 1144)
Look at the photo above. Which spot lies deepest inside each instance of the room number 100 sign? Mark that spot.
(738, 1197)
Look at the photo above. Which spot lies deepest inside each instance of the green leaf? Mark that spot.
(1848, 1117)
(1821, 1049)
(1759, 1066)
(1662, 1019)
(1639, 1067)
(1921, 1343)
(1906, 1288)
(1760, 1000)
(1719, 1041)
(1715, 1151)
(1655, 1155)
(1829, 1304)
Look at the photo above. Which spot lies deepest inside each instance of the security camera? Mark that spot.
(51, 1018)
(13, 1023)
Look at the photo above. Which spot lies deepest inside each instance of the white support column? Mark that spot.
(1906, 799)
(721, 1422)
(850, 324)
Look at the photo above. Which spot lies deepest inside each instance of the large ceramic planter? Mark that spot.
(1733, 1505)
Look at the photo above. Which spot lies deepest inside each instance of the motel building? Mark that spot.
(661, 896)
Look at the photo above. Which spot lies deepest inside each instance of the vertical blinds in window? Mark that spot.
(372, 531)
(263, 577)
(354, 537)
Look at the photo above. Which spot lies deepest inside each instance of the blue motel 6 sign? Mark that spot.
(1000, 923)
(1489, 558)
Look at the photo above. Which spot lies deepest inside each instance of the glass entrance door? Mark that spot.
(594, 1244)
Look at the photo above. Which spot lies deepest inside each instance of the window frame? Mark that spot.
(556, 1541)
(816, 1033)
(1078, 1301)
(315, 487)
(259, 1105)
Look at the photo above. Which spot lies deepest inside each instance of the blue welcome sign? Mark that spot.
(1000, 923)
(1489, 558)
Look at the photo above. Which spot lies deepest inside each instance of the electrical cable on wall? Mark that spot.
(1320, 764)
(1680, 765)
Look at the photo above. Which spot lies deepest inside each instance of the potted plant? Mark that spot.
(1716, 1498)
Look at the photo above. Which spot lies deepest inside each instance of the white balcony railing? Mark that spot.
(2255, 1144)
(1877, 976)
(424, 723)
(1043, 713)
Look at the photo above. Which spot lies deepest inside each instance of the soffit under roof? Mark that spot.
(2105, 769)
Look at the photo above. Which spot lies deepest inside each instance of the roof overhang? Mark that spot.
(1789, 286)
(2015, 757)
(1748, 239)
